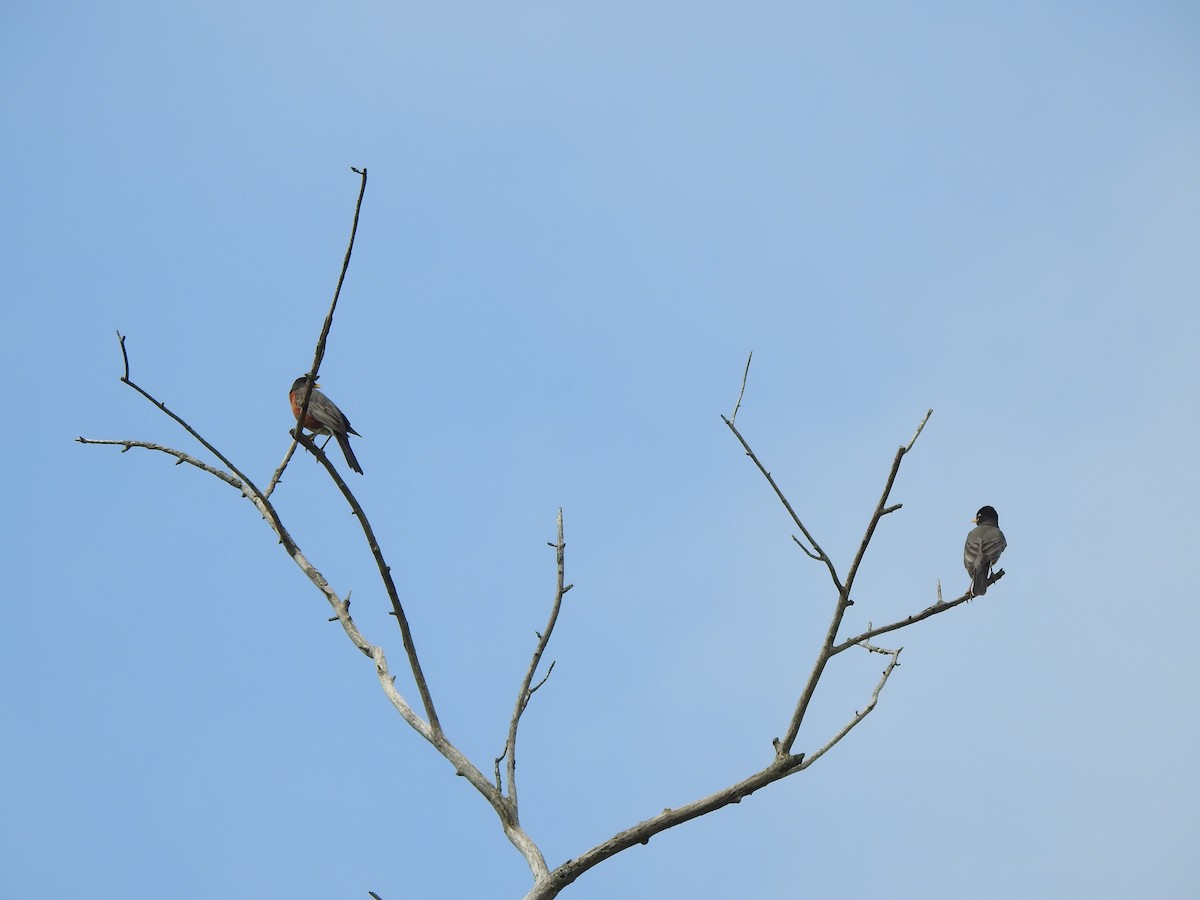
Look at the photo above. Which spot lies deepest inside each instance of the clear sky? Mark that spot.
(580, 218)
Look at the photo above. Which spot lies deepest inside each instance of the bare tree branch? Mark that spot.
(785, 762)
(939, 607)
(808, 553)
(433, 734)
(549, 671)
(881, 509)
(917, 433)
(319, 353)
(526, 692)
(741, 393)
(642, 832)
(385, 574)
(784, 745)
(548, 884)
(431, 730)
(817, 553)
(180, 458)
(125, 379)
(866, 710)
(287, 456)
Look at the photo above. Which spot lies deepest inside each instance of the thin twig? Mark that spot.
(287, 457)
(859, 715)
(247, 487)
(807, 552)
(180, 458)
(496, 769)
(526, 692)
(533, 690)
(125, 379)
(319, 353)
(818, 553)
(124, 356)
(745, 375)
(881, 509)
(917, 433)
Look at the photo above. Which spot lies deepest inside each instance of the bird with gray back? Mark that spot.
(984, 545)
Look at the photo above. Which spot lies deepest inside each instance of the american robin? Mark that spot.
(984, 545)
(324, 418)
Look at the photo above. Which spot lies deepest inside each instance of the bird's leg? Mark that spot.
(328, 438)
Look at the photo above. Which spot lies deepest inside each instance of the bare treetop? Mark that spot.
(500, 790)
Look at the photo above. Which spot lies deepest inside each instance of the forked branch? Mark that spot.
(816, 553)
(861, 714)
(431, 730)
(784, 744)
(926, 613)
(125, 379)
(527, 689)
(504, 800)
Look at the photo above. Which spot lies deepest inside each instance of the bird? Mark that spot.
(985, 543)
(324, 418)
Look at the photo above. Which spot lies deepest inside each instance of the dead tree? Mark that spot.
(499, 787)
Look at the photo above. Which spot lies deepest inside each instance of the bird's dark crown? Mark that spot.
(987, 514)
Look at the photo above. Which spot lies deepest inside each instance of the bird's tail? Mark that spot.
(979, 584)
(348, 452)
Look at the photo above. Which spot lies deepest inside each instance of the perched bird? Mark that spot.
(984, 545)
(324, 418)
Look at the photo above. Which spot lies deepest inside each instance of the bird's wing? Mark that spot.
(992, 545)
(973, 550)
(324, 411)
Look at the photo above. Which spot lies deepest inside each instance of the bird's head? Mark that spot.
(987, 515)
(299, 383)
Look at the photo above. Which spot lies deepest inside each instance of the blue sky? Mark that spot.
(580, 219)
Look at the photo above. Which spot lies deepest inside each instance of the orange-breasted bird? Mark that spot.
(324, 418)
